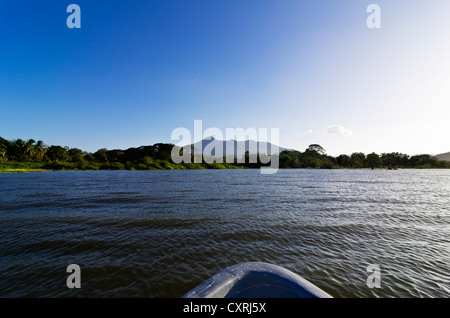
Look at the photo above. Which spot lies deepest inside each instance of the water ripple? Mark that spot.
(160, 233)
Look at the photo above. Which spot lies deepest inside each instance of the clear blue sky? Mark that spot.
(137, 70)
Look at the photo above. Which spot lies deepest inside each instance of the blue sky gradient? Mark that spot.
(137, 70)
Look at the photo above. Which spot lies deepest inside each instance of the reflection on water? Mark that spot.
(161, 233)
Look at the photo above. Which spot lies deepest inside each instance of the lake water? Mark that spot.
(161, 233)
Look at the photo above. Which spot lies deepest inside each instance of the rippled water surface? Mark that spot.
(161, 233)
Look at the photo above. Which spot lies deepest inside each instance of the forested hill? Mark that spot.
(36, 155)
(33, 154)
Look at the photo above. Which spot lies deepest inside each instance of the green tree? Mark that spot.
(285, 160)
(315, 149)
(328, 163)
(388, 160)
(163, 151)
(89, 157)
(115, 155)
(75, 155)
(100, 155)
(4, 145)
(19, 150)
(39, 150)
(2, 152)
(422, 161)
(373, 160)
(55, 153)
(357, 160)
(343, 160)
(404, 160)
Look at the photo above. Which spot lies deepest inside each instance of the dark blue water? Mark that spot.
(160, 233)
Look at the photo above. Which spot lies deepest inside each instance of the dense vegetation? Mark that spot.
(31, 155)
(20, 154)
(315, 157)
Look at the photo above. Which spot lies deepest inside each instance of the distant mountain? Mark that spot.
(444, 156)
(239, 147)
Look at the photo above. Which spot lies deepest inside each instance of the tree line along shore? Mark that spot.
(28, 156)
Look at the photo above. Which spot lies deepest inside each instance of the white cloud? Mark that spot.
(338, 130)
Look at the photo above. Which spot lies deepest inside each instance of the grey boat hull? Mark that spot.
(256, 280)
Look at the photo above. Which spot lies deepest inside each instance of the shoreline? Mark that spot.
(35, 170)
(23, 170)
